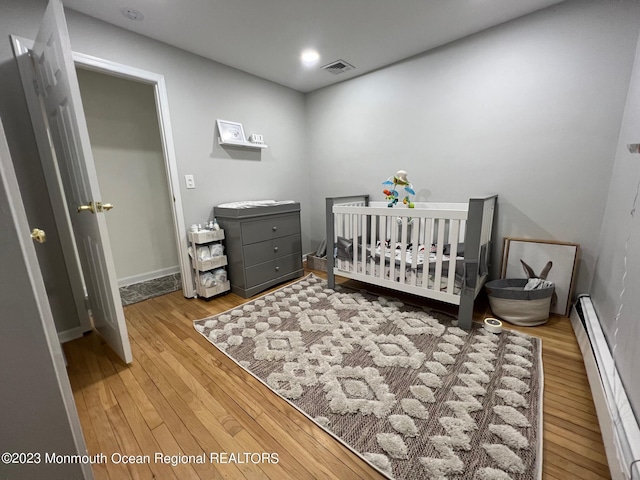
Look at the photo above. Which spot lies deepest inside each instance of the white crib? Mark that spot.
(435, 250)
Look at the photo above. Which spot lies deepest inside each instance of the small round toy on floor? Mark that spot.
(493, 325)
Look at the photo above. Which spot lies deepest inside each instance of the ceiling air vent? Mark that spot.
(339, 66)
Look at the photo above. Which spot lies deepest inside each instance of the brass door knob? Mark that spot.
(38, 235)
(101, 207)
(90, 208)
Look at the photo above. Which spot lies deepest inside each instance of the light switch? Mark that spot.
(189, 180)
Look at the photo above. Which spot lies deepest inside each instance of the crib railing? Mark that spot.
(399, 234)
(356, 226)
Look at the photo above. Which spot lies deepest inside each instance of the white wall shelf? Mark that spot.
(242, 144)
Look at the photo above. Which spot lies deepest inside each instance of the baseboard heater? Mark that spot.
(620, 430)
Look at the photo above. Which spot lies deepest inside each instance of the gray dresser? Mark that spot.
(263, 245)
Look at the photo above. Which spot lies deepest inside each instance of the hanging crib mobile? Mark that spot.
(391, 193)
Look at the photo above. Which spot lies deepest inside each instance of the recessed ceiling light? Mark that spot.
(132, 14)
(310, 57)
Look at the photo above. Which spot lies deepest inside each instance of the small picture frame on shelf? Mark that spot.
(231, 132)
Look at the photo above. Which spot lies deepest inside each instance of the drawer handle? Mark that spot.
(277, 268)
(275, 249)
(275, 228)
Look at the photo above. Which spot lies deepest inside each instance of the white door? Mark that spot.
(35, 389)
(69, 138)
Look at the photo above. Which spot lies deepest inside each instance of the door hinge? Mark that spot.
(35, 87)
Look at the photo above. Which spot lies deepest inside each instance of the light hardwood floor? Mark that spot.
(181, 396)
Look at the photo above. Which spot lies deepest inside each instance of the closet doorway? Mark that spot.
(122, 79)
(122, 120)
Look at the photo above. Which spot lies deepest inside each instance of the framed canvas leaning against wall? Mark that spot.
(537, 254)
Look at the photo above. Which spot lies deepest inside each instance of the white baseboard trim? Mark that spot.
(71, 334)
(144, 277)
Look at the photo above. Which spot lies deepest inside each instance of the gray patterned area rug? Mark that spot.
(412, 394)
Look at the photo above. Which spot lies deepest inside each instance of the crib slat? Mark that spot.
(393, 226)
(349, 234)
(354, 242)
(339, 232)
(415, 230)
(383, 237)
(374, 240)
(439, 254)
(363, 248)
(403, 250)
(428, 240)
(454, 236)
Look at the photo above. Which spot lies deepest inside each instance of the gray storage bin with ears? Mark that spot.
(511, 302)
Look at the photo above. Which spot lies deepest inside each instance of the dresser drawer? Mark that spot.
(271, 249)
(266, 271)
(274, 226)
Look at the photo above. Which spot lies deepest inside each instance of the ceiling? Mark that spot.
(266, 37)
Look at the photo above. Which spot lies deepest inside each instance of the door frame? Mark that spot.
(22, 46)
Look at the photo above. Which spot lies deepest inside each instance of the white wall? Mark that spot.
(529, 110)
(200, 91)
(616, 287)
(125, 140)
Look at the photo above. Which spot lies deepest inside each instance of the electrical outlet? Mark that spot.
(190, 181)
